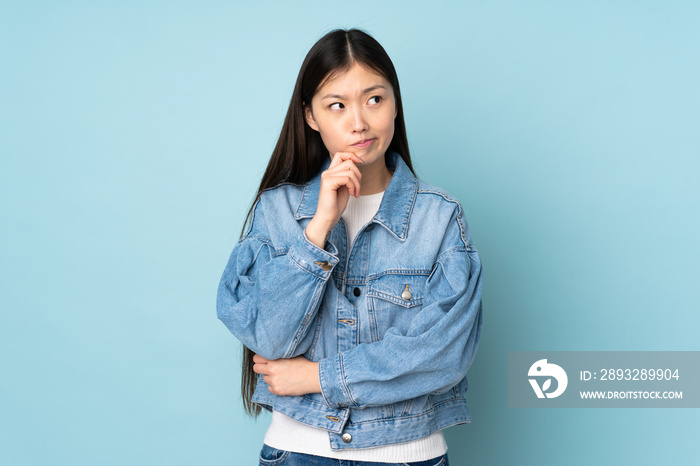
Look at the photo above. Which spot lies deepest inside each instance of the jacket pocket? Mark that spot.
(394, 297)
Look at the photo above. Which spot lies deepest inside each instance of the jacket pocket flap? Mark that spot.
(404, 289)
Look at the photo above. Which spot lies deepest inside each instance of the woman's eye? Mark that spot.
(332, 106)
(377, 97)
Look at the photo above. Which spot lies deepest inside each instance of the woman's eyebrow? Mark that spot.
(338, 96)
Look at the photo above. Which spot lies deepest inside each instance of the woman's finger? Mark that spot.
(346, 165)
(347, 178)
(342, 156)
(348, 170)
(335, 180)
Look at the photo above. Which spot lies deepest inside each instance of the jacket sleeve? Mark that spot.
(436, 350)
(268, 298)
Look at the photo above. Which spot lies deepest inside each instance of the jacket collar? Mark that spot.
(397, 203)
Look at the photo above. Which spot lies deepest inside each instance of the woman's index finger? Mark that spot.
(339, 157)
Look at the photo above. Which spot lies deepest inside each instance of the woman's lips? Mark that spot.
(364, 143)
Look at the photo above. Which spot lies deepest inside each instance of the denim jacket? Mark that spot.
(394, 322)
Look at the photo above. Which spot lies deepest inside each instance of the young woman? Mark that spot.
(356, 290)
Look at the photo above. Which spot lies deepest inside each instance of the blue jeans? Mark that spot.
(270, 456)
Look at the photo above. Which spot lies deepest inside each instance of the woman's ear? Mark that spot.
(310, 117)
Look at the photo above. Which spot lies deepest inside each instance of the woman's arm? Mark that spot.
(436, 350)
(268, 300)
(435, 353)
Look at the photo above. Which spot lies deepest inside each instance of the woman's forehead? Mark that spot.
(351, 79)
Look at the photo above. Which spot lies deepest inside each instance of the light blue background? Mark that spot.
(133, 136)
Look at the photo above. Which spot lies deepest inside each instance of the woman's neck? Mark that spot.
(375, 179)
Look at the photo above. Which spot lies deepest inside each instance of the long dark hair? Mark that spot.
(300, 153)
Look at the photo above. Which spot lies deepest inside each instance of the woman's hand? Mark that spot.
(340, 181)
(294, 376)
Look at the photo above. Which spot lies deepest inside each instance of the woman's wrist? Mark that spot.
(318, 232)
(314, 378)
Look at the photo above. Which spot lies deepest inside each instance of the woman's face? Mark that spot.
(355, 112)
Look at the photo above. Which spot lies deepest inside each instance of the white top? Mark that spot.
(360, 211)
(289, 434)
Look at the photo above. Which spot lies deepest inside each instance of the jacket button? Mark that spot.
(406, 294)
(325, 265)
(356, 292)
(347, 438)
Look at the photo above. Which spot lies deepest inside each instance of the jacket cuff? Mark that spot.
(333, 387)
(313, 259)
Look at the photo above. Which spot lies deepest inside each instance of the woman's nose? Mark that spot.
(359, 122)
